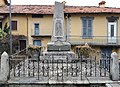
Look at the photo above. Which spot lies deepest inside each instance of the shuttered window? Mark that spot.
(14, 25)
(36, 29)
(37, 42)
(0, 24)
(87, 27)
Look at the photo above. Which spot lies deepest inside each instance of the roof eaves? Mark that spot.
(92, 12)
(33, 13)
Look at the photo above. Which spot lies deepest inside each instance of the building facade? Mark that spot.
(98, 26)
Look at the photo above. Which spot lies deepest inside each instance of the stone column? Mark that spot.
(114, 67)
(4, 72)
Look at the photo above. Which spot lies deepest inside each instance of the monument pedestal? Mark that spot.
(59, 51)
(56, 56)
(58, 46)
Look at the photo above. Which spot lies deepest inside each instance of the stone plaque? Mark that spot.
(59, 26)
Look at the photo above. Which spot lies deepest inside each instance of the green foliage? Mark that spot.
(6, 28)
(4, 39)
(2, 34)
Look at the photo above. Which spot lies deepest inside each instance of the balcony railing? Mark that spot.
(41, 35)
(94, 40)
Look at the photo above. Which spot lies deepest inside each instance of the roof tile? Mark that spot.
(49, 9)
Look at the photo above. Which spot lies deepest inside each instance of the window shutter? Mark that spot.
(0, 24)
(84, 27)
(87, 25)
(89, 28)
(36, 30)
(37, 42)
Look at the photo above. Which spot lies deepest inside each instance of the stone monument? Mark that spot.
(58, 44)
(58, 38)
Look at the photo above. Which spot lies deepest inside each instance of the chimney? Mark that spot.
(102, 4)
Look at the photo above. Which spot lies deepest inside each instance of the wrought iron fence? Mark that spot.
(119, 67)
(0, 63)
(62, 68)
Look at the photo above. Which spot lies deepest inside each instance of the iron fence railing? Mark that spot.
(59, 69)
(119, 67)
(94, 40)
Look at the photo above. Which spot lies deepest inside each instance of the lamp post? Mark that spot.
(10, 23)
(10, 27)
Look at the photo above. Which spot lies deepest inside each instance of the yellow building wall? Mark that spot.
(76, 25)
(45, 41)
(26, 22)
(45, 24)
(45, 27)
(21, 24)
(2, 2)
(100, 24)
(98, 21)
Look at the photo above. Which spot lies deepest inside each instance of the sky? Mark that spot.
(109, 3)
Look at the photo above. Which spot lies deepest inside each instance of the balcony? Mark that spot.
(94, 40)
(41, 35)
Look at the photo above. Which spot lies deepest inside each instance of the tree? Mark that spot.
(4, 39)
(4, 33)
(6, 29)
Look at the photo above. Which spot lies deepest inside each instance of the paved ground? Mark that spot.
(75, 80)
(116, 84)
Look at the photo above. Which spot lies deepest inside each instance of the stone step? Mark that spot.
(113, 85)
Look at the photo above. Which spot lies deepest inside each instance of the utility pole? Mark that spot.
(10, 23)
(10, 28)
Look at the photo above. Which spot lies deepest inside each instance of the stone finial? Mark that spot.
(114, 67)
(4, 72)
(86, 44)
(4, 54)
(114, 55)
